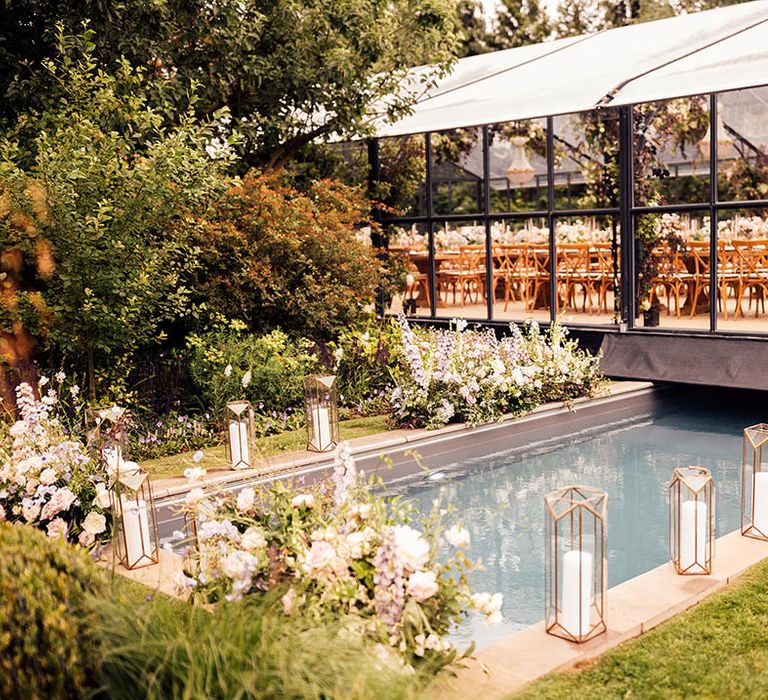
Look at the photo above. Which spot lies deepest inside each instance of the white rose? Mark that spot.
(457, 536)
(102, 496)
(303, 500)
(412, 548)
(422, 585)
(252, 539)
(245, 500)
(57, 528)
(246, 380)
(47, 476)
(193, 474)
(94, 523)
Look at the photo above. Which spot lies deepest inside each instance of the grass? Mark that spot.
(719, 649)
(287, 441)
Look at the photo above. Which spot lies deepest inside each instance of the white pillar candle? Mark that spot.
(138, 544)
(577, 592)
(321, 429)
(238, 444)
(760, 504)
(693, 536)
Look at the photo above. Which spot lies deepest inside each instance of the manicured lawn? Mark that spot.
(719, 649)
(288, 441)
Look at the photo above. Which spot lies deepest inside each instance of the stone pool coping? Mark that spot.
(285, 463)
(633, 608)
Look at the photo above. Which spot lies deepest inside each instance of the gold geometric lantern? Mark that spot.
(754, 483)
(133, 506)
(320, 399)
(575, 567)
(240, 434)
(692, 520)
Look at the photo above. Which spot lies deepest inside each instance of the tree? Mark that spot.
(289, 71)
(474, 32)
(519, 22)
(100, 200)
(575, 17)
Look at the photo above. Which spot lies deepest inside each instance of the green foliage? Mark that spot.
(152, 436)
(272, 256)
(518, 23)
(114, 190)
(46, 650)
(228, 363)
(271, 64)
(245, 650)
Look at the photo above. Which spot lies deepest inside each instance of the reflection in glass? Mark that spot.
(518, 166)
(671, 165)
(587, 263)
(586, 155)
(742, 256)
(742, 143)
(408, 264)
(521, 287)
(402, 184)
(673, 269)
(457, 172)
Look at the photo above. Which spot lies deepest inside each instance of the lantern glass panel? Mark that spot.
(133, 505)
(240, 434)
(576, 571)
(692, 520)
(320, 394)
(754, 482)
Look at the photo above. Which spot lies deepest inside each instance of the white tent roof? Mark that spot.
(717, 50)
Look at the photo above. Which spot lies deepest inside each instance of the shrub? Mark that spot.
(245, 650)
(229, 363)
(153, 436)
(46, 650)
(272, 256)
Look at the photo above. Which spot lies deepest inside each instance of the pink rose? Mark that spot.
(422, 585)
(60, 501)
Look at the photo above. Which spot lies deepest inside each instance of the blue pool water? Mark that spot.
(500, 499)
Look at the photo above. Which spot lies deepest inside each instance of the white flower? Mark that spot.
(458, 536)
(74, 391)
(252, 539)
(86, 539)
(359, 542)
(30, 510)
(42, 381)
(291, 601)
(57, 528)
(245, 500)
(194, 497)
(198, 457)
(360, 510)
(422, 585)
(322, 559)
(338, 353)
(60, 501)
(246, 380)
(102, 496)
(489, 605)
(194, 474)
(227, 370)
(303, 500)
(94, 523)
(47, 476)
(60, 377)
(412, 548)
(182, 582)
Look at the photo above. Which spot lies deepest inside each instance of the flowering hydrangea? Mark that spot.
(472, 376)
(338, 551)
(47, 478)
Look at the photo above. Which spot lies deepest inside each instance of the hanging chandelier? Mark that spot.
(724, 141)
(520, 171)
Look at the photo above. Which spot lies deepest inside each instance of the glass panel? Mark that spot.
(402, 163)
(460, 269)
(586, 147)
(672, 260)
(671, 155)
(588, 270)
(457, 172)
(518, 166)
(521, 270)
(408, 270)
(741, 145)
(742, 267)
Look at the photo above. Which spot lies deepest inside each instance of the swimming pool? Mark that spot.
(500, 497)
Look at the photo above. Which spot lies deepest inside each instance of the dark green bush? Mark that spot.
(46, 650)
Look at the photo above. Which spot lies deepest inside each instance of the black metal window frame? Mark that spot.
(626, 212)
